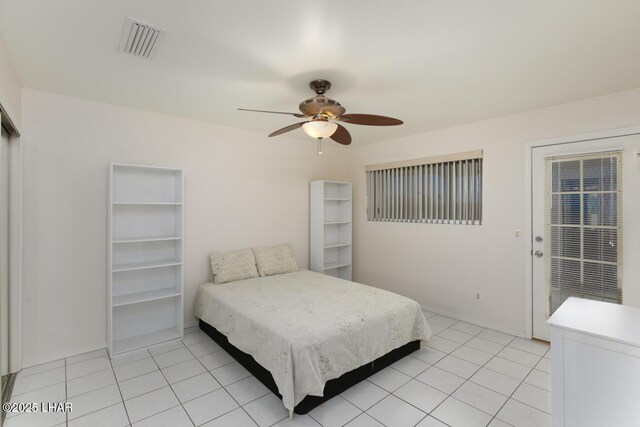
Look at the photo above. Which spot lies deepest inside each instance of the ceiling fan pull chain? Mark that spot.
(319, 146)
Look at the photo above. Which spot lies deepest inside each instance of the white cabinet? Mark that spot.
(145, 276)
(330, 228)
(595, 364)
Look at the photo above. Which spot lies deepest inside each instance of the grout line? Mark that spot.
(151, 356)
(375, 403)
(22, 375)
(412, 377)
(221, 366)
(224, 387)
(172, 391)
(514, 391)
(39, 388)
(97, 410)
(126, 411)
(89, 391)
(164, 351)
(465, 381)
(533, 385)
(163, 411)
(205, 354)
(66, 364)
(130, 378)
(347, 400)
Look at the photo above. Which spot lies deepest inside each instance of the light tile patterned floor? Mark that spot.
(468, 376)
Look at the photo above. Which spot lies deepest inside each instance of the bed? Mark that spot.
(308, 336)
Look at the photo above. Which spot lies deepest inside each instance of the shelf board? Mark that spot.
(120, 300)
(336, 245)
(146, 239)
(338, 199)
(146, 167)
(147, 203)
(336, 222)
(145, 265)
(334, 265)
(145, 340)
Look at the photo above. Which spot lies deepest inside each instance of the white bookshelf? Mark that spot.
(330, 228)
(145, 292)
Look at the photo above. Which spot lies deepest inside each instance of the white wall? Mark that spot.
(10, 86)
(444, 266)
(241, 189)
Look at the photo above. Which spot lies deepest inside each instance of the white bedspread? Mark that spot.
(307, 328)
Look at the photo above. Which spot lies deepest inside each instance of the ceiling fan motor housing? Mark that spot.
(321, 105)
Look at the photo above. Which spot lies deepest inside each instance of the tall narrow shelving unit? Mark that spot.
(330, 228)
(145, 303)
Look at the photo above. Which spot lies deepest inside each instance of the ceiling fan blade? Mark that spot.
(274, 112)
(369, 120)
(341, 135)
(286, 129)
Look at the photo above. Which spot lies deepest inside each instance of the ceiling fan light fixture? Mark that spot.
(320, 128)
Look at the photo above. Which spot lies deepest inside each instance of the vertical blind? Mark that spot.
(583, 228)
(445, 190)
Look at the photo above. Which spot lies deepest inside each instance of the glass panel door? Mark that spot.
(583, 228)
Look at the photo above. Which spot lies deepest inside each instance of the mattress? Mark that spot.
(307, 328)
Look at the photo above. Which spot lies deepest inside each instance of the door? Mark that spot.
(4, 255)
(585, 223)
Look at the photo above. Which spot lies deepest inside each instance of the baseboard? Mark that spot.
(468, 319)
(61, 355)
(191, 324)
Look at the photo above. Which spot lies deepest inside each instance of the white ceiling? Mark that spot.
(431, 63)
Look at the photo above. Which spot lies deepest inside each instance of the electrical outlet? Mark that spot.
(478, 295)
(516, 234)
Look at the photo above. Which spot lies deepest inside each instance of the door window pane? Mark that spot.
(601, 209)
(565, 209)
(566, 242)
(601, 244)
(566, 176)
(600, 175)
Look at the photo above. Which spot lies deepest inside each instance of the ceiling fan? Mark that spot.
(322, 113)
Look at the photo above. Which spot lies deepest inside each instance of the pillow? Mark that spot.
(275, 260)
(231, 266)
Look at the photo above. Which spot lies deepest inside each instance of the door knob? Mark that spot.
(538, 254)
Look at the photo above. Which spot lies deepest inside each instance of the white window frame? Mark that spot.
(438, 190)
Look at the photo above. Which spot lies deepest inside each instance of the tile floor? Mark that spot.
(468, 376)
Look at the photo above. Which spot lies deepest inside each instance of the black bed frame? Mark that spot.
(332, 387)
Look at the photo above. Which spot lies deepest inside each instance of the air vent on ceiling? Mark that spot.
(140, 39)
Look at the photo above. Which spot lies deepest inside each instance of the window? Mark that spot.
(443, 190)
